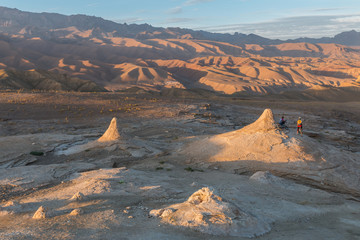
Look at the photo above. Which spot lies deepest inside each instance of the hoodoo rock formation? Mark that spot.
(109, 137)
(111, 133)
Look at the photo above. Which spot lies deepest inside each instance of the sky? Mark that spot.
(276, 19)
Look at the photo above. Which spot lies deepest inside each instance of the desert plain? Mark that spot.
(177, 165)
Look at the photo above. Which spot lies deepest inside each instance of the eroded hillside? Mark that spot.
(118, 56)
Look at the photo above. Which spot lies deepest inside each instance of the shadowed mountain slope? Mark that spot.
(43, 80)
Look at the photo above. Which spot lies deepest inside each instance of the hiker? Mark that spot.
(282, 121)
(299, 126)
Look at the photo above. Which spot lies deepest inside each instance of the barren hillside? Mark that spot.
(43, 80)
(118, 56)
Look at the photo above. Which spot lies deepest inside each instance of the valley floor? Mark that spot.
(122, 182)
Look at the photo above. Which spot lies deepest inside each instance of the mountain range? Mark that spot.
(118, 56)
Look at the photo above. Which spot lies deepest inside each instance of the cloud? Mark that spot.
(193, 2)
(178, 20)
(93, 4)
(179, 9)
(294, 27)
(352, 19)
(129, 20)
(327, 9)
(175, 10)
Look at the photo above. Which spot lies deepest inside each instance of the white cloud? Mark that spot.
(327, 9)
(293, 27)
(179, 20)
(352, 19)
(129, 20)
(94, 4)
(193, 2)
(175, 10)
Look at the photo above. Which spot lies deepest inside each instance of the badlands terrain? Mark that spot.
(154, 64)
(177, 165)
(116, 131)
(50, 48)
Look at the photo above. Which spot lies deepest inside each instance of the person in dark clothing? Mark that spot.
(282, 121)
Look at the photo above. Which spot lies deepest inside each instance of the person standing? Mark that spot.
(299, 126)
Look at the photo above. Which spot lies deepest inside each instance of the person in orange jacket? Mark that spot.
(299, 126)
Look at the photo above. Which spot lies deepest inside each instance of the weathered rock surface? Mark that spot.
(15, 150)
(260, 146)
(209, 213)
(259, 141)
(123, 180)
(265, 177)
(22, 179)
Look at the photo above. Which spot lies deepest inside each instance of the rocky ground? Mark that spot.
(144, 185)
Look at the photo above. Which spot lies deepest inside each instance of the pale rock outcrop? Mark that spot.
(264, 123)
(76, 212)
(41, 213)
(209, 213)
(260, 141)
(108, 138)
(77, 196)
(10, 204)
(260, 146)
(5, 213)
(15, 150)
(265, 177)
(25, 178)
(111, 133)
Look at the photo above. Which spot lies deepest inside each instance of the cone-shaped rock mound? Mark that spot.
(111, 133)
(77, 197)
(260, 146)
(209, 213)
(264, 123)
(41, 213)
(260, 141)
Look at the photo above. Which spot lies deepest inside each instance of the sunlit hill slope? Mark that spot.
(116, 56)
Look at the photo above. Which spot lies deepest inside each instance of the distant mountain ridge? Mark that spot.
(49, 46)
(14, 21)
(349, 38)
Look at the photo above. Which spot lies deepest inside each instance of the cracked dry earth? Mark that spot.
(144, 186)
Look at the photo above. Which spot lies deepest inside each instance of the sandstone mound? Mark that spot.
(76, 212)
(264, 123)
(108, 138)
(207, 212)
(260, 146)
(266, 178)
(41, 213)
(259, 141)
(111, 133)
(77, 196)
